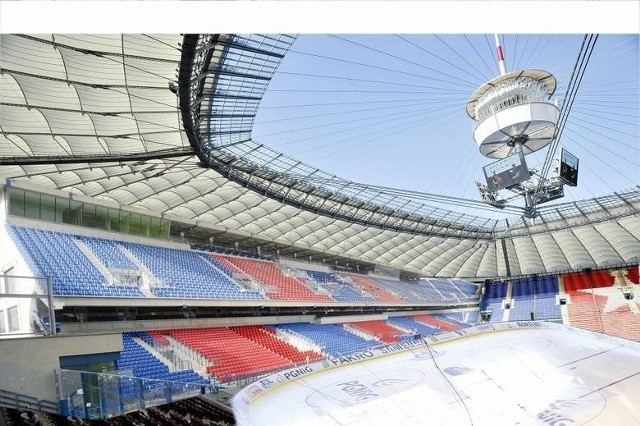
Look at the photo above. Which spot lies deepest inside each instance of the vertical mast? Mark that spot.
(503, 70)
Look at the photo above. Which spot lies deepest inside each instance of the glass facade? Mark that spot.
(33, 205)
(94, 396)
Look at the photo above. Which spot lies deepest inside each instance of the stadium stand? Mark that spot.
(241, 351)
(340, 289)
(407, 323)
(187, 275)
(266, 337)
(144, 364)
(279, 286)
(456, 318)
(372, 287)
(495, 292)
(597, 302)
(468, 289)
(436, 322)
(109, 253)
(535, 295)
(63, 106)
(382, 331)
(55, 255)
(334, 339)
(413, 291)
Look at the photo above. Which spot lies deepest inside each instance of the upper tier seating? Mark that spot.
(633, 274)
(467, 288)
(340, 289)
(108, 253)
(279, 285)
(448, 289)
(587, 280)
(372, 287)
(91, 266)
(55, 255)
(186, 274)
(429, 290)
(547, 286)
(412, 291)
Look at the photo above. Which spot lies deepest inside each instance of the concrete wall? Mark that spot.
(27, 364)
(120, 326)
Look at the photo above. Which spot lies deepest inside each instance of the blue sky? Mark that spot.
(390, 109)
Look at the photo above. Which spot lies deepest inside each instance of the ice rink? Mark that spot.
(525, 373)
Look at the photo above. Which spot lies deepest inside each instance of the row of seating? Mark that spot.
(246, 351)
(340, 289)
(189, 274)
(230, 353)
(416, 327)
(55, 255)
(384, 332)
(145, 365)
(439, 323)
(599, 300)
(372, 287)
(587, 280)
(602, 301)
(279, 286)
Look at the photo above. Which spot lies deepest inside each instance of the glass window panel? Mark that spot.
(32, 205)
(145, 226)
(125, 219)
(166, 229)
(73, 215)
(62, 209)
(10, 281)
(134, 225)
(114, 220)
(47, 207)
(14, 320)
(89, 215)
(3, 323)
(101, 217)
(156, 231)
(16, 202)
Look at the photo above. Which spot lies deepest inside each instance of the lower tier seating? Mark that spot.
(235, 352)
(332, 338)
(381, 330)
(145, 364)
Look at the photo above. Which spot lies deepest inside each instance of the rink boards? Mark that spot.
(521, 373)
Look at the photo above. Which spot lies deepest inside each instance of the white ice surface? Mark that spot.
(556, 376)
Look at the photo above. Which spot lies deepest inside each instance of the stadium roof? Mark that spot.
(164, 123)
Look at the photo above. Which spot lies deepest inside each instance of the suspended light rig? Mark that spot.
(515, 116)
